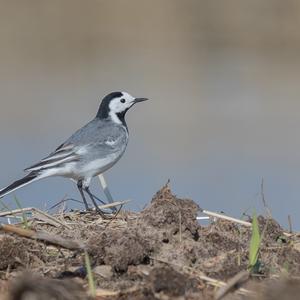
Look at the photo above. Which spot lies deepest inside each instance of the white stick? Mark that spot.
(105, 188)
(221, 216)
(203, 218)
(114, 204)
(224, 217)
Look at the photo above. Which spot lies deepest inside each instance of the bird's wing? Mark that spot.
(64, 153)
(67, 153)
(99, 138)
(96, 138)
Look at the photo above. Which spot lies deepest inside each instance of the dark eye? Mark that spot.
(122, 100)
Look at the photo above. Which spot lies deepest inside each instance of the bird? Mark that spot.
(90, 151)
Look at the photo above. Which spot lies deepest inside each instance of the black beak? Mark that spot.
(136, 100)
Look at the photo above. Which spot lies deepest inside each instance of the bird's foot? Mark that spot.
(98, 211)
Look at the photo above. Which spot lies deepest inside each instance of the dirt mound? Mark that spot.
(168, 282)
(119, 248)
(166, 220)
(16, 251)
(271, 230)
(159, 253)
(169, 213)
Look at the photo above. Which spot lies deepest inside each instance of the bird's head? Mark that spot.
(115, 105)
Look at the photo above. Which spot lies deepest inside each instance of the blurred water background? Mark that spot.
(222, 76)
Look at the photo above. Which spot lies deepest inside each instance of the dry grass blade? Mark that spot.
(37, 214)
(114, 204)
(42, 216)
(24, 218)
(15, 211)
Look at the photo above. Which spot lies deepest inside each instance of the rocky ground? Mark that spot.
(159, 253)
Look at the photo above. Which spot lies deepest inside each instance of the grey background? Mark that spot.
(222, 76)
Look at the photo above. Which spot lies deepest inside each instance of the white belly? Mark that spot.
(85, 171)
(99, 165)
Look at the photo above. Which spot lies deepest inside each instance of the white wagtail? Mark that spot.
(90, 151)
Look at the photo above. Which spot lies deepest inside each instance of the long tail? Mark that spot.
(33, 176)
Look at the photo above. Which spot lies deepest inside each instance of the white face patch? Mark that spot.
(122, 103)
(119, 105)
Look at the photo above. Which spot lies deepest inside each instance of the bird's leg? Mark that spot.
(79, 185)
(95, 197)
(113, 209)
(87, 190)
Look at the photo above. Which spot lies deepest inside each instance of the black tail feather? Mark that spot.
(18, 183)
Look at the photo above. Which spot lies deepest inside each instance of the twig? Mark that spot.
(109, 293)
(203, 218)
(180, 228)
(63, 201)
(224, 217)
(24, 218)
(40, 215)
(232, 284)
(106, 293)
(62, 208)
(37, 214)
(15, 211)
(43, 236)
(262, 193)
(290, 224)
(114, 204)
(114, 217)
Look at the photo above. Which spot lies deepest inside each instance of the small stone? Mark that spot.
(104, 271)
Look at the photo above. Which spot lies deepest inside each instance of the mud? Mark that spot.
(170, 214)
(19, 252)
(119, 248)
(160, 253)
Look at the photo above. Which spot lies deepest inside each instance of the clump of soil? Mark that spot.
(169, 282)
(19, 251)
(171, 214)
(280, 258)
(271, 230)
(119, 248)
(160, 253)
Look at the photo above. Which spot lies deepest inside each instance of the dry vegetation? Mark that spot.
(160, 253)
